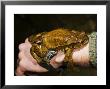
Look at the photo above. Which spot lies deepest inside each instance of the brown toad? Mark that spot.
(58, 39)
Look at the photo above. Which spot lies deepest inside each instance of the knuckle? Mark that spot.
(21, 64)
(20, 55)
(22, 46)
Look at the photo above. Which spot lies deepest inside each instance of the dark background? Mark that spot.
(28, 24)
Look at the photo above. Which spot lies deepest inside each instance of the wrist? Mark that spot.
(81, 56)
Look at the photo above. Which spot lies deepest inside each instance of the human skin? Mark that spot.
(28, 63)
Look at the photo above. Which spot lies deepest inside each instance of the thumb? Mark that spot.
(60, 57)
(57, 60)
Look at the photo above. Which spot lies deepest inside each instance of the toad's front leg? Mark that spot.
(34, 54)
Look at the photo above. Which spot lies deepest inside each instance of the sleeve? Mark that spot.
(93, 48)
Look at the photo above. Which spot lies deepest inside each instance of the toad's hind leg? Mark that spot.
(34, 55)
(68, 54)
(68, 58)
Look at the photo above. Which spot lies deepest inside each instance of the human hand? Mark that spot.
(28, 63)
(81, 57)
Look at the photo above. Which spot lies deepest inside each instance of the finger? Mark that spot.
(37, 68)
(19, 72)
(57, 60)
(27, 41)
(25, 46)
(22, 46)
(60, 57)
(30, 66)
(25, 55)
(21, 55)
(24, 50)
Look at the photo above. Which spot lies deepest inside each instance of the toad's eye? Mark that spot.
(39, 42)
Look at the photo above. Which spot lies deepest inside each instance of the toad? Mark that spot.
(46, 44)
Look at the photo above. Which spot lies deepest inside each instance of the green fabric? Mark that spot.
(92, 48)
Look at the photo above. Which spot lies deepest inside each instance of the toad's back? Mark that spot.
(59, 37)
